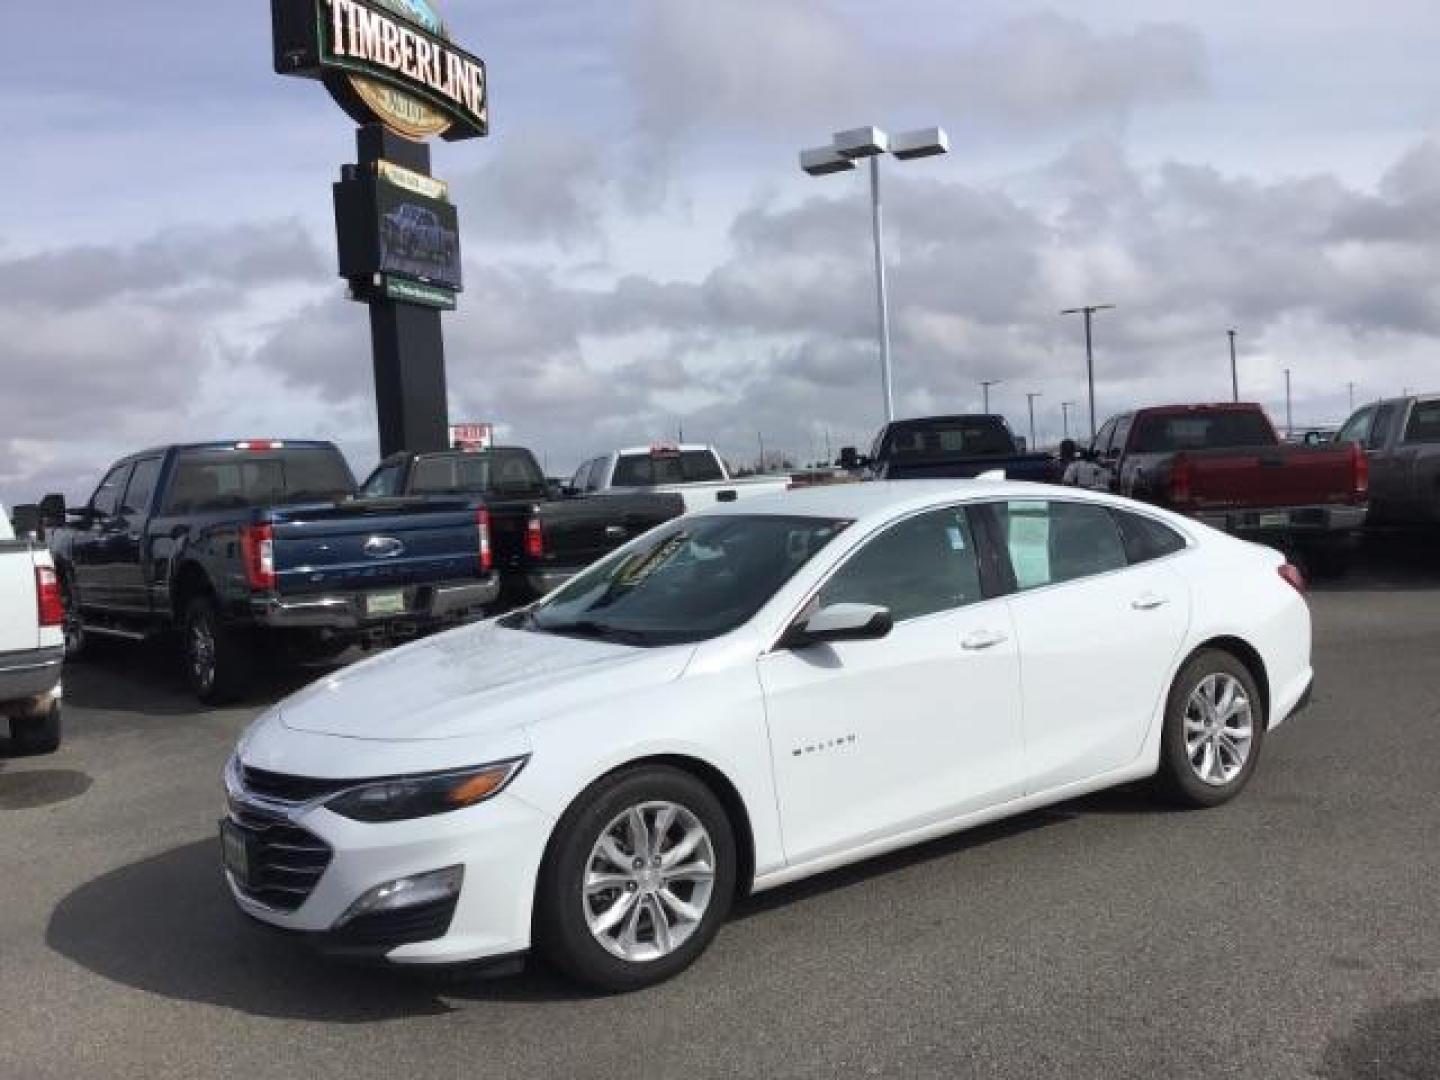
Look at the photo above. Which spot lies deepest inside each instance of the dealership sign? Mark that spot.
(386, 61)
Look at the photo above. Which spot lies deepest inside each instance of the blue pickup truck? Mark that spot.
(259, 544)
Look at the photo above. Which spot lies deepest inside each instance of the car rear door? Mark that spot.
(875, 738)
(1098, 630)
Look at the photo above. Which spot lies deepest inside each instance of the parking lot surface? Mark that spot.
(1292, 933)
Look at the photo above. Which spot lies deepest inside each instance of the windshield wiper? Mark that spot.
(591, 629)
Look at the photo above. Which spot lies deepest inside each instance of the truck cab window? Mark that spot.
(141, 486)
(106, 499)
(1424, 425)
(384, 482)
(1357, 428)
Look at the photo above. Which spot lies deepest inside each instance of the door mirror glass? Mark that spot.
(839, 622)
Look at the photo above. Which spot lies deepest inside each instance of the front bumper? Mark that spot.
(499, 843)
(424, 605)
(30, 673)
(1301, 521)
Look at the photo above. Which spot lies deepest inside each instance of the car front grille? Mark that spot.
(287, 861)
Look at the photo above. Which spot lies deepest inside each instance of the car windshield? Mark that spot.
(948, 438)
(695, 579)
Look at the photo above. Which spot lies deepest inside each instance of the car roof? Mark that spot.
(884, 498)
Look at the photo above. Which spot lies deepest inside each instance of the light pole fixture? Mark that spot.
(1289, 413)
(1030, 400)
(1351, 387)
(1089, 313)
(1234, 373)
(845, 149)
(1065, 407)
(985, 385)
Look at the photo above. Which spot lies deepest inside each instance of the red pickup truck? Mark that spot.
(1225, 465)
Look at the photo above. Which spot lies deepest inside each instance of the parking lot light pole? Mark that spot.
(985, 385)
(1289, 412)
(845, 149)
(1351, 387)
(1089, 313)
(1234, 374)
(1030, 400)
(1065, 407)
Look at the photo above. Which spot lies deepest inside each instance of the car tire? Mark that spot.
(79, 643)
(38, 734)
(1212, 740)
(610, 936)
(218, 662)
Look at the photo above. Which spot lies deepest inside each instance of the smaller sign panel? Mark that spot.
(415, 292)
(419, 236)
(472, 436)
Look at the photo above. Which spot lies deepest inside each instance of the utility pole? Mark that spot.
(1351, 387)
(1065, 407)
(985, 385)
(1030, 400)
(761, 439)
(1234, 374)
(1289, 413)
(1089, 313)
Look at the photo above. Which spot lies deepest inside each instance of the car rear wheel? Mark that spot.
(38, 734)
(638, 879)
(1214, 726)
(217, 661)
(78, 643)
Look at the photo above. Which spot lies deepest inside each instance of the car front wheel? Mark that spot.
(638, 879)
(1214, 726)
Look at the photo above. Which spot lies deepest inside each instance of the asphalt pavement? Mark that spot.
(1293, 933)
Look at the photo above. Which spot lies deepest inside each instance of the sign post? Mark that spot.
(390, 64)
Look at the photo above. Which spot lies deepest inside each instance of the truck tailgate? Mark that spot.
(374, 544)
(19, 618)
(1271, 476)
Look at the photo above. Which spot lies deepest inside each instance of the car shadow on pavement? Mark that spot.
(1395, 1042)
(166, 925)
(1390, 560)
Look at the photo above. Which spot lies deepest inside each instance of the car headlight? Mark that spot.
(402, 797)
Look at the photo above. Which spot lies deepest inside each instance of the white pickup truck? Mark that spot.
(694, 472)
(32, 647)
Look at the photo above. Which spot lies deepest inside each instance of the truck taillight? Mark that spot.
(534, 538)
(1293, 577)
(1360, 472)
(47, 596)
(257, 545)
(482, 526)
(1181, 476)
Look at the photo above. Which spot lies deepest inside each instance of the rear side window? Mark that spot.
(106, 499)
(1053, 542)
(212, 480)
(1145, 538)
(1200, 431)
(141, 487)
(1424, 425)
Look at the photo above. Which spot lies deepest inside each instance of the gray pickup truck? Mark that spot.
(1401, 438)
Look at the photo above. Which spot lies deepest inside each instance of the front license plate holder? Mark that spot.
(385, 603)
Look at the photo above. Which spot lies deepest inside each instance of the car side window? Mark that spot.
(922, 565)
(1053, 542)
(1145, 538)
(1102, 440)
(1424, 423)
(384, 482)
(106, 499)
(1384, 416)
(595, 475)
(141, 486)
(1357, 428)
(1121, 435)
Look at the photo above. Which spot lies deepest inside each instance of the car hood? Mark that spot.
(472, 681)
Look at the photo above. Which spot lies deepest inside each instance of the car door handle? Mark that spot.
(984, 639)
(1149, 602)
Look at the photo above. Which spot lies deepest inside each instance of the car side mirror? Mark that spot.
(839, 622)
(52, 510)
(1069, 450)
(27, 522)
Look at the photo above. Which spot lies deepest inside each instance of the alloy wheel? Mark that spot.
(1219, 729)
(649, 881)
(202, 652)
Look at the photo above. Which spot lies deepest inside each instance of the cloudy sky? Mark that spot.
(643, 253)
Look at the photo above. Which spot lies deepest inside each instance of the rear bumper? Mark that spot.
(346, 611)
(30, 673)
(1286, 520)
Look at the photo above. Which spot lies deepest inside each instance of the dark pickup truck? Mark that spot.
(539, 541)
(1401, 440)
(934, 447)
(1226, 466)
(240, 543)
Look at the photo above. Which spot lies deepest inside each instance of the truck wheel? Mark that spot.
(1214, 725)
(217, 661)
(78, 644)
(37, 734)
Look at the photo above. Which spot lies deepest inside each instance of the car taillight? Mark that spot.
(1360, 472)
(534, 538)
(1180, 480)
(47, 596)
(257, 545)
(1293, 577)
(482, 525)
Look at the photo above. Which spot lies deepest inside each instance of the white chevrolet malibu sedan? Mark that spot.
(750, 695)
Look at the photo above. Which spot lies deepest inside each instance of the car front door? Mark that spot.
(1099, 632)
(97, 542)
(130, 568)
(874, 738)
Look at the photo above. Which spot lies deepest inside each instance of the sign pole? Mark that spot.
(406, 339)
